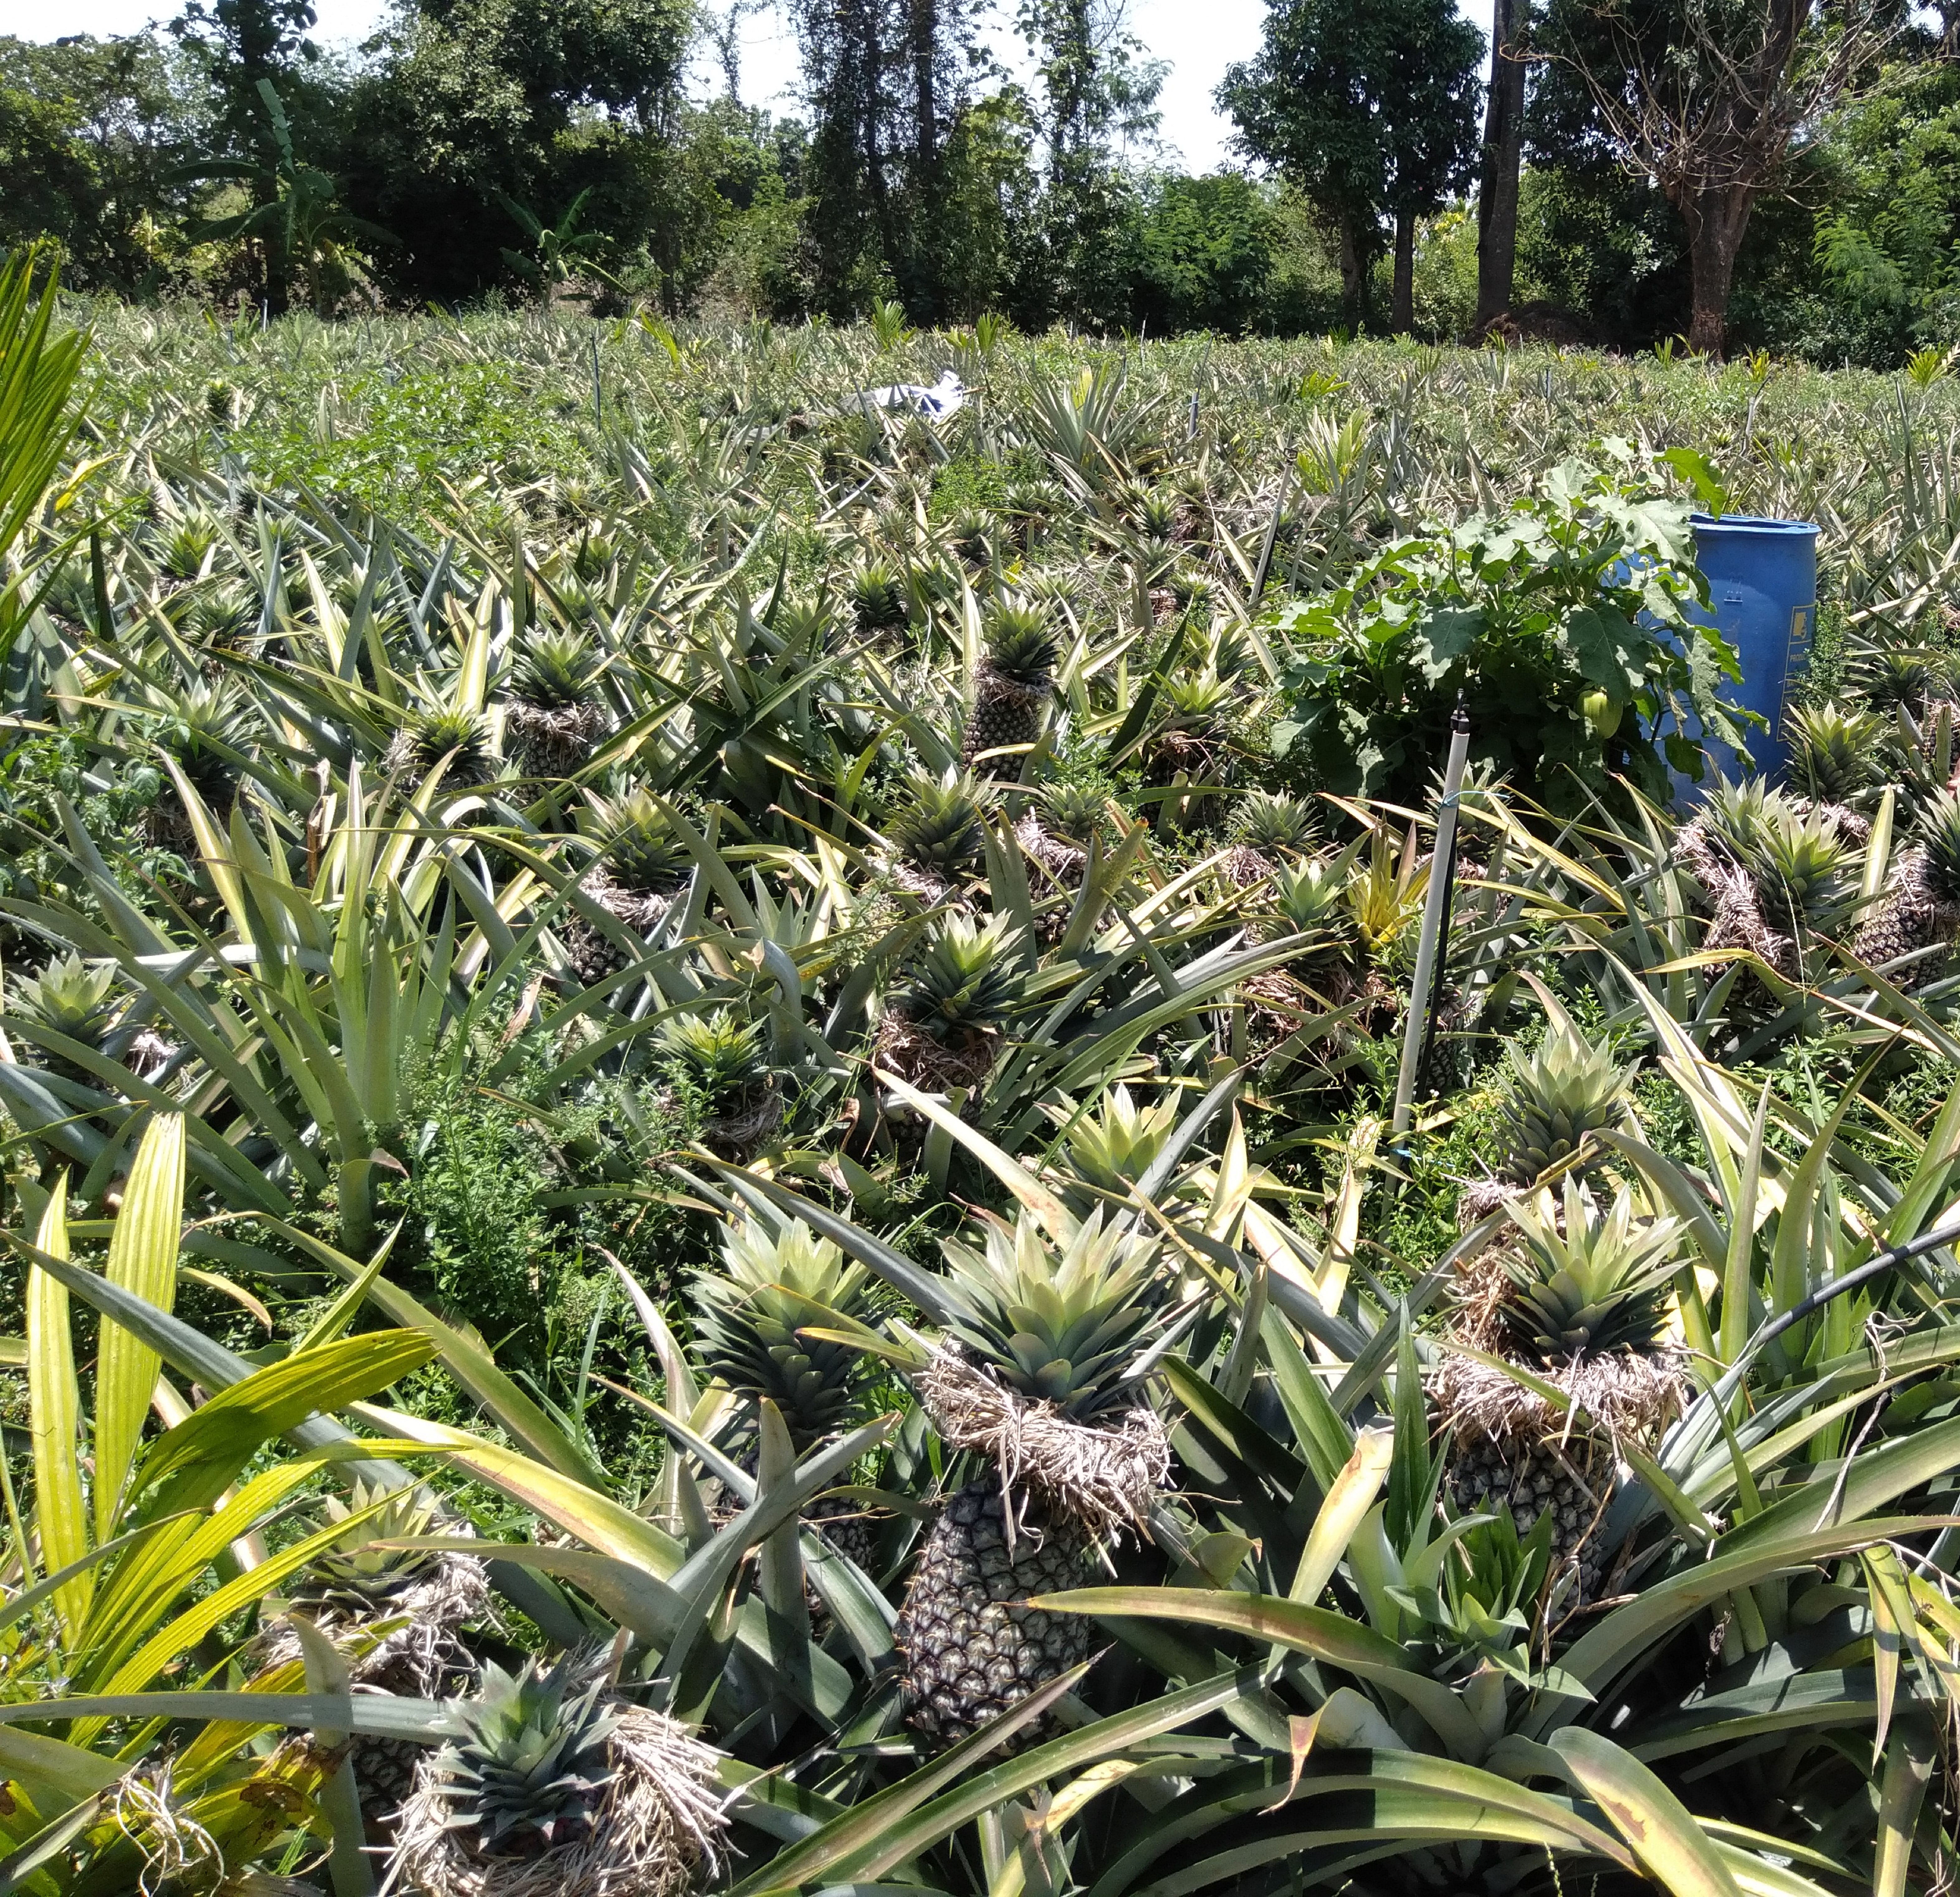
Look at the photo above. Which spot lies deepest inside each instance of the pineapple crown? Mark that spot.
(963, 980)
(774, 1284)
(1199, 699)
(1837, 750)
(1065, 1324)
(1937, 822)
(354, 1562)
(202, 726)
(1732, 813)
(940, 828)
(69, 997)
(718, 1054)
(1117, 1145)
(1076, 811)
(1020, 644)
(553, 670)
(640, 848)
(877, 597)
(1306, 894)
(529, 1762)
(463, 737)
(1803, 864)
(185, 543)
(1272, 820)
(1553, 1097)
(1597, 1285)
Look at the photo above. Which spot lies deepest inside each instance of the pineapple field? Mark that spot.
(699, 1065)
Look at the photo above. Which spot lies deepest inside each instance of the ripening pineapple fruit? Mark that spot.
(1551, 1099)
(641, 868)
(1062, 1327)
(943, 1022)
(878, 597)
(554, 712)
(460, 736)
(1582, 1305)
(551, 1783)
(1920, 904)
(1013, 686)
(774, 1284)
(722, 1061)
(1838, 752)
(935, 830)
(398, 1614)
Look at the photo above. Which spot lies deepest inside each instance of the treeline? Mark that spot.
(1745, 174)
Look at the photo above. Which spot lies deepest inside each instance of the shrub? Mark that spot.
(1555, 619)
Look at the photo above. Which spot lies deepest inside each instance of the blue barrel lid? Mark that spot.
(1750, 523)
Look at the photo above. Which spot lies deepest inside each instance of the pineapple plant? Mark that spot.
(942, 1023)
(1041, 1381)
(1920, 905)
(550, 1786)
(1011, 687)
(554, 712)
(719, 1062)
(935, 831)
(1580, 1302)
(1837, 752)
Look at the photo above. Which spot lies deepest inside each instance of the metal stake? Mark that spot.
(1433, 908)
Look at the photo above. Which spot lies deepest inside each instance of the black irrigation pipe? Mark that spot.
(1824, 1293)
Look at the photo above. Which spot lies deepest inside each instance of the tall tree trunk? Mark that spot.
(1717, 219)
(1403, 321)
(1503, 158)
(1353, 276)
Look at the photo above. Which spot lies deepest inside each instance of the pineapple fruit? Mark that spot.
(935, 831)
(555, 713)
(550, 1785)
(1838, 752)
(1040, 1380)
(772, 1286)
(722, 1061)
(1920, 906)
(943, 1022)
(1581, 1302)
(462, 737)
(1268, 828)
(1011, 687)
(642, 866)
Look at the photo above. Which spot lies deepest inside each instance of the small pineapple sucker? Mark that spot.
(1041, 1383)
(1011, 687)
(79, 1003)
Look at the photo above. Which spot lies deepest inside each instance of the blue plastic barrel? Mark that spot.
(1762, 592)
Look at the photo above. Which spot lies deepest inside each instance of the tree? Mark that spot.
(1368, 106)
(1502, 159)
(297, 215)
(244, 46)
(886, 80)
(1095, 96)
(92, 133)
(1714, 100)
(535, 99)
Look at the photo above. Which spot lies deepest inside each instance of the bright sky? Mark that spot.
(1197, 38)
